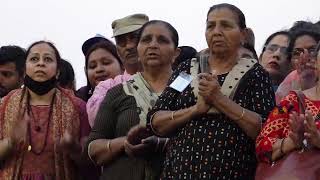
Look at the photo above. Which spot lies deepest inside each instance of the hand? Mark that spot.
(311, 133)
(208, 86)
(68, 144)
(201, 107)
(306, 69)
(141, 150)
(18, 134)
(137, 133)
(296, 128)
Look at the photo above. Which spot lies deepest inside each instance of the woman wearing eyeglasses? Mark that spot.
(285, 129)
(304, 39)
(274, 57)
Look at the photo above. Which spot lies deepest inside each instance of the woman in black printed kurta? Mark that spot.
(212, 146)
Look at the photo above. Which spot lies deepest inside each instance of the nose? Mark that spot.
(41, 62)
(131, 43)
(154, 43)
(217, 30)
(99, 69)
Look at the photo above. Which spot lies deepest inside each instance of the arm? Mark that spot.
(162, 119)
(276, 137)
(101, 146)
(166, 122)
(248, 120)
(103, 151)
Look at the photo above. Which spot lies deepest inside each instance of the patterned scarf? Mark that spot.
(64, 116)
(140, 89)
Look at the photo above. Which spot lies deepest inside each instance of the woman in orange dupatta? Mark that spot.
(41, 125)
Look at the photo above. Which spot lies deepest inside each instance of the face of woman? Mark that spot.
(304, 49)
(274, 58)
(41, 63)
(102, 65)
(223, 33)
(156, 47)
(302, 43)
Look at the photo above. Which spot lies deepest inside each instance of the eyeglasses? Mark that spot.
(274, 47)
(298, 51)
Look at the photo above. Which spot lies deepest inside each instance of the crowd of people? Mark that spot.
(152, 109)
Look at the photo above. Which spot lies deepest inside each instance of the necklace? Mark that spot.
(38, 128)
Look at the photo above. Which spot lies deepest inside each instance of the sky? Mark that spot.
(68, 23)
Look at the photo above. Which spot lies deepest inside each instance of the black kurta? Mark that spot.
(213, 146)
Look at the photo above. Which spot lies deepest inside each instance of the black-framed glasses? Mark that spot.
(298, 51)
(274, 47)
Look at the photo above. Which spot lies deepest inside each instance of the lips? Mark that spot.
(218, 42)
(152, 55)
(131, 55)
(40, 72)
(273, 65)
(101, 78)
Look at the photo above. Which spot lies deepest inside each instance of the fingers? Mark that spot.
(292, 121)
(205, 76)
(150, 140)
(309, 122)
(133, 150)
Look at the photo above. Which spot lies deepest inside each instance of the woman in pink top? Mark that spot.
(99, 93)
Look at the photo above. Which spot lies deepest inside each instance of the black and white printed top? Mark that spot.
(212, 146)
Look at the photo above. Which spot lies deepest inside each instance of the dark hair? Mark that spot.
(56, 52)
(234, 9)
(302, 28)
(174, 32)
(318, 48)
(187, 52)
(251, 49)
(273, 35)
(106, 45)
(66, 76)
(13, 54)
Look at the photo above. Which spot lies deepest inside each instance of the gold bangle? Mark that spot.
(172, 115)
(109, 145)
(242, 114)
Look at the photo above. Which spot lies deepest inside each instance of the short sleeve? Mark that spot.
(258, 93)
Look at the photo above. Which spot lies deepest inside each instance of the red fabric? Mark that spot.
(67, 115)
(277, 127)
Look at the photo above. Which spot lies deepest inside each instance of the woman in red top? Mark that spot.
(286, 130)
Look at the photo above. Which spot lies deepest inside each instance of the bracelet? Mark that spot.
(157, 145)
(89, 153)
(281, 146)
(172, 115)
(242, 114)
(109, 145)
(165, 144)
(151, 126)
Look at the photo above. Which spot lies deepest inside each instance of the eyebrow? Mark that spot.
(36, 53)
